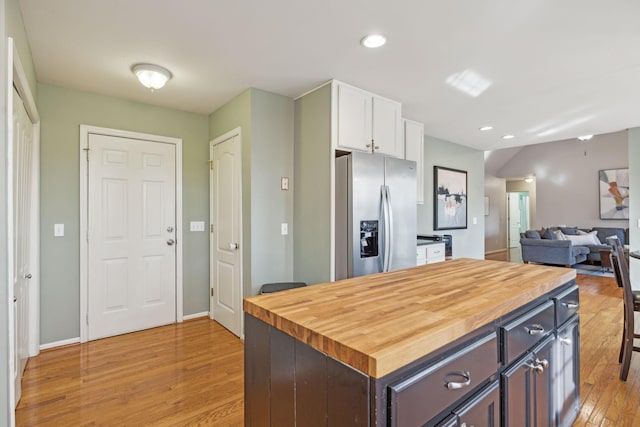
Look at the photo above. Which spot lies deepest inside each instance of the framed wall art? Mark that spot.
(614, 193)
(450, 194)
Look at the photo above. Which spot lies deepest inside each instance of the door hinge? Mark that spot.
(211, 164)
(86, 319)
(211, 291)
(211, 228)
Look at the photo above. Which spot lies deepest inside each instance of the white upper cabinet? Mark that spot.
(367, 122)
(354, 118)
(387, 127)
(414, 150)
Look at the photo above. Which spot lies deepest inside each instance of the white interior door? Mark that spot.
(22, 159)
(226, 283)
(131, 235)
(514, 220)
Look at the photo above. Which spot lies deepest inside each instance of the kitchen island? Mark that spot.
(437, 344)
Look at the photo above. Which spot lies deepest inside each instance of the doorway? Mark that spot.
(226, 231)
(131, 240)
(518, 216)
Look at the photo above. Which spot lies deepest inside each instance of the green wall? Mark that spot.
(62, 111)
(467, 242)
(266, 122)
(15, 29)
(313, 159)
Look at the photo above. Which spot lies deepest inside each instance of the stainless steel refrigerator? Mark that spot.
(375, 214)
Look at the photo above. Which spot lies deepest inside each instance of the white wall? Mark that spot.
(469, 242)
(567, 178)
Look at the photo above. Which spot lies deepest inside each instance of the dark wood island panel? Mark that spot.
(294, 374)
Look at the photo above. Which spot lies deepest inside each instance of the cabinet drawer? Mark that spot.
(527, 330)
(567, 304)
(423, 395)
(435, 251)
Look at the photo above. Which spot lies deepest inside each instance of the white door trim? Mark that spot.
(85, 130)
(16, 76)
(232, 133)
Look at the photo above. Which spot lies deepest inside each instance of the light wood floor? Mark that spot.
(192, 374)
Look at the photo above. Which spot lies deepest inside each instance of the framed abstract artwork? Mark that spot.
(614, 193)
(450, 194)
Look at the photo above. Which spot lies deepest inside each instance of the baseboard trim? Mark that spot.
(196, 315)
(60, 343)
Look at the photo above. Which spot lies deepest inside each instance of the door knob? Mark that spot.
(233, 246)
(171, 242)
(28, 276)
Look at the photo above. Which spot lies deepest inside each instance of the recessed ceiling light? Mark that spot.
(485, 128)
(585, 137)
(508, 136)
(373, 40)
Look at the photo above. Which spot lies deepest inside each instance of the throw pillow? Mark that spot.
(584, 239)
(593, 234)
(569, 231)
(560, 235)
(548, 234)
(532, 234)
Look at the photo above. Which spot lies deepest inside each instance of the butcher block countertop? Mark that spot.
(382, 322)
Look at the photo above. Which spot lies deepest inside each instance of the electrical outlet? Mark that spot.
(284, 183)
(284, 228)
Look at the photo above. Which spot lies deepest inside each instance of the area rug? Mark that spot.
(592, 270)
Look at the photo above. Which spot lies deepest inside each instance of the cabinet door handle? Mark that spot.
(534, 329)
(453, 385)
(571, 305)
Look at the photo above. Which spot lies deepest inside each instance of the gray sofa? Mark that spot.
(541, 246)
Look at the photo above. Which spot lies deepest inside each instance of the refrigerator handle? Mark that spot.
(385, 228)
(389, 230)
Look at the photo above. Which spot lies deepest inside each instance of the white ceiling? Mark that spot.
(558, 68)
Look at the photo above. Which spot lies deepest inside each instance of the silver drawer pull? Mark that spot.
(452, 385)
(571, 305)
(534, 329)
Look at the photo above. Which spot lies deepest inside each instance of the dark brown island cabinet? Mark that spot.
(460, 343)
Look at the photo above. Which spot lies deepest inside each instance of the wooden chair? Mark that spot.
(631, 305)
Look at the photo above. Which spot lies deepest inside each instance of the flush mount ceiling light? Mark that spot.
(528, 180)
(373, 40)
(585, 137)
(486, 128)
(508, 136)
(151, 76)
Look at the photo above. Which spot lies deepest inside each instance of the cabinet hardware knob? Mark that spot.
(534, 329)
(453, 385)
(544, 363)
(28, 276)
(171, 242)
(538, 369)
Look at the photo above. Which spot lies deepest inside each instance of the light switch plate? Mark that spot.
(284, 183)
(58, 230)
(196, 226)
(475, 220)
(284, 228)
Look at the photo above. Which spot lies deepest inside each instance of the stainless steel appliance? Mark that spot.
(375, 214)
